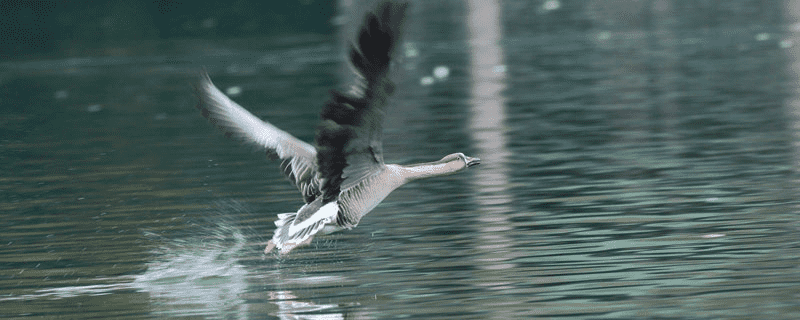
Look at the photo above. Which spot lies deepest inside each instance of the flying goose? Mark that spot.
(344, 177)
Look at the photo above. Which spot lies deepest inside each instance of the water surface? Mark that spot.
(641, 172)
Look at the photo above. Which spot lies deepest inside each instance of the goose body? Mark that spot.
(344, 177)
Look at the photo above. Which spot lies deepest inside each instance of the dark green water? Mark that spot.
(633, 174)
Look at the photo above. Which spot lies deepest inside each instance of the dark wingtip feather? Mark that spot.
(379, 34)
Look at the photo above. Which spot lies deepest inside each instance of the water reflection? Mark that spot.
(487, 129)
(290, 308)
(792, 45)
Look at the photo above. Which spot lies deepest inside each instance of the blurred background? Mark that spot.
(639, 161)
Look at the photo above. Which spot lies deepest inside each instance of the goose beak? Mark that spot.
(471, 162)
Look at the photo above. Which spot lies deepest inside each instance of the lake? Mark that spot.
(641, 168)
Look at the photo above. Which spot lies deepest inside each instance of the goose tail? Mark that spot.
(296, 229)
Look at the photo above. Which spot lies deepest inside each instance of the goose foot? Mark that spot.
(270, 246)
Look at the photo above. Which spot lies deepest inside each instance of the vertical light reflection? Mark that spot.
(487, 121)
(793, 52)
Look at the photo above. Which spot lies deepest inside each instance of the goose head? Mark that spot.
(461, 161)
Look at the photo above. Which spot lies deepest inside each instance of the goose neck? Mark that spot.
(426, 170)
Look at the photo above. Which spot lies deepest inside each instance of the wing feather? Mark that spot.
(299, 158)
(349, 138)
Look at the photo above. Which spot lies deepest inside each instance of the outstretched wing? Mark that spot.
(299, 158)
(349, 137)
